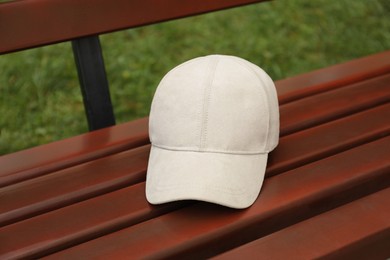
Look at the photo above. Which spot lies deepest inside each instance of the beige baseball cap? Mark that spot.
(213, 121)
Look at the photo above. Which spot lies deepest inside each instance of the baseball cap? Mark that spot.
(212, 123)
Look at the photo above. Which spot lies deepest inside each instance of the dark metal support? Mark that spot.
(93, 82)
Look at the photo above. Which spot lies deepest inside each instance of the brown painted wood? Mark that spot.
(58, 155)
(324, 140)
(32, 23)
(71, 185)
(115, 171)
(342, 233)
(83, 181)
(330, 105)
(38, 195)
(198, 231)
(85, 195)
(78, 223)
(332, 77)
(52, 157)
(104, 214)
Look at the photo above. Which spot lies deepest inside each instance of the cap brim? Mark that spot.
(232, 180)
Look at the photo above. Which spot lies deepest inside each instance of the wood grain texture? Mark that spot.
(52, 157)
(112, 212)
(24, 23)
(84, 197)
(70, 185)
(62, 154)
(38, 195)
(332, 77)
(334, 104)
(346, 232)
(79, 222)
(197, 231)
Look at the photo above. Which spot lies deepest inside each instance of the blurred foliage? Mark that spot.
(40, 100)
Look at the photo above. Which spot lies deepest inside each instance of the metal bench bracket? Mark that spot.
(93, 82)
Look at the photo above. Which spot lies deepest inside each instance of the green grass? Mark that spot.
(40, 99)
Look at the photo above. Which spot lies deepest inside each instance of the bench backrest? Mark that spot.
(26, 24)
(34, 23)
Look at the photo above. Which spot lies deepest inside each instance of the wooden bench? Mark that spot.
(327, 186)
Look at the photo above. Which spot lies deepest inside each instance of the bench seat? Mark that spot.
(329, 234)
(47, 158)
(83, 197)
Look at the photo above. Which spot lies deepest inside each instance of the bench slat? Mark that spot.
(285, 199)
(332, 77)
(32, 197)
(319, 142)
(79, 222)
(329, 234)
(113, 212)
(333, 104)
(24, 23)
(58, 155)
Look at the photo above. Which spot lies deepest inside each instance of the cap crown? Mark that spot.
(215, 103)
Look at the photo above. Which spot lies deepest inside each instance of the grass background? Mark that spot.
(40, 100)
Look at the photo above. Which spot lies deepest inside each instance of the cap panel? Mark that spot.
(238, 114)
(273, 136)
(175, 115)
(272, 97)
(272, 102)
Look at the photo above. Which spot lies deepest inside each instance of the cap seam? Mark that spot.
(194, 149)
(218, 188)
(207, 98)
